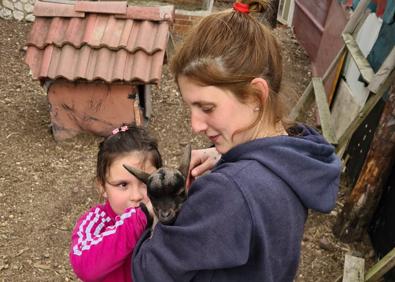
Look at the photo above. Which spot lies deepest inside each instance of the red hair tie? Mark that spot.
(241, 7)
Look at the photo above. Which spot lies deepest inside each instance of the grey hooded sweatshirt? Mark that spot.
(244, 221)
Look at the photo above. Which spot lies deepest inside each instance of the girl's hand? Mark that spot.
(201, 162)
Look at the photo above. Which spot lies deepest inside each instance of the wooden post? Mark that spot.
(208, 5)
(269, 17)
(354, 269)
(362, 202)
(272, 19)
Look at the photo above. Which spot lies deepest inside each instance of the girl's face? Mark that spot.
(218, 114)
(122, 189)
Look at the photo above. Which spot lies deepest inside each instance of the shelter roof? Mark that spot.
(106, 40)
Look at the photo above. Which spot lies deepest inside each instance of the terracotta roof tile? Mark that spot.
(47, 9)
(106, 7)
(101, 46)
(91, 64)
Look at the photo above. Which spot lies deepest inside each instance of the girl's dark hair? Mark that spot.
(134, 139)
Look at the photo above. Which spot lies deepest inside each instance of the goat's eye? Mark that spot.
(181, 193)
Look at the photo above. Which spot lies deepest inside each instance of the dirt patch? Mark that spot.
(46, 185)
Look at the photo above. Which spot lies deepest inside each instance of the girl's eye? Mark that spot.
(122, 185)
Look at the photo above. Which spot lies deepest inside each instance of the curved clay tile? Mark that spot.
(100, 31)
(128, 45)
(91, 64)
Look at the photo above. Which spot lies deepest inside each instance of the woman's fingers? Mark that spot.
(203, 167)
(202, 161)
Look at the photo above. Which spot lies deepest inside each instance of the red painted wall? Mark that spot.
(318, 26)
(95, 107)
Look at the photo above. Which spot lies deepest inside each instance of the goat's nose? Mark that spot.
(166, 213)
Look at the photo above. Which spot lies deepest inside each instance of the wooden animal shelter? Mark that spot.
(353, 87)
(97, 61)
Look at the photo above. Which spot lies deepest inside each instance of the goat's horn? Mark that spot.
(185, 161)
(141, 175)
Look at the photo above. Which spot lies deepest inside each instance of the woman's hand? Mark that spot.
(201, 162)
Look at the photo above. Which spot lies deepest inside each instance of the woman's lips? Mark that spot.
(213, 138)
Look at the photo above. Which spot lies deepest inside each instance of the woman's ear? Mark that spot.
(261, 85)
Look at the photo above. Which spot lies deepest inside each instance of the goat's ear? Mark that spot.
(141, 175)
(185, 161)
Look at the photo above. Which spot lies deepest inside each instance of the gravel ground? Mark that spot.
(45, 185)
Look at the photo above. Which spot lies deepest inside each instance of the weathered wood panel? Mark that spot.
(354, 269)
(344, 109)
(360, 205)
(309, 21)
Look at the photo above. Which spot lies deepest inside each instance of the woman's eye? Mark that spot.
(207, 109)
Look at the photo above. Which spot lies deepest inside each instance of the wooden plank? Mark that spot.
(137, 112)
(361, 22)
(359, 206)
(382, 267)
(307, 98)
(385, 70)
(147, 101)
(359, 59)
(170, 47)
(344, 108)
(323, 110)
(208, 5)
(333, 64)
(335, 82)
(343, 140)
(356, 17)
(354, 268)
(286, 8)
(303, 104)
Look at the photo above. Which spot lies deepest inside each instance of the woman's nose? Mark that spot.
(197, 123)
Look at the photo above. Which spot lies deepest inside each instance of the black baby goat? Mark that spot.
(166, 187)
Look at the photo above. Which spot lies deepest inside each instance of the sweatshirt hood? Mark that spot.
(304, 160)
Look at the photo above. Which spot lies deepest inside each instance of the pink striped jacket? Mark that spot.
(103, 242)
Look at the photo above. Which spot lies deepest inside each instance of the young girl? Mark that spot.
(104, 237)
(244, 220)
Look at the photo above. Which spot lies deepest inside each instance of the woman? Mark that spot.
(244, 220)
